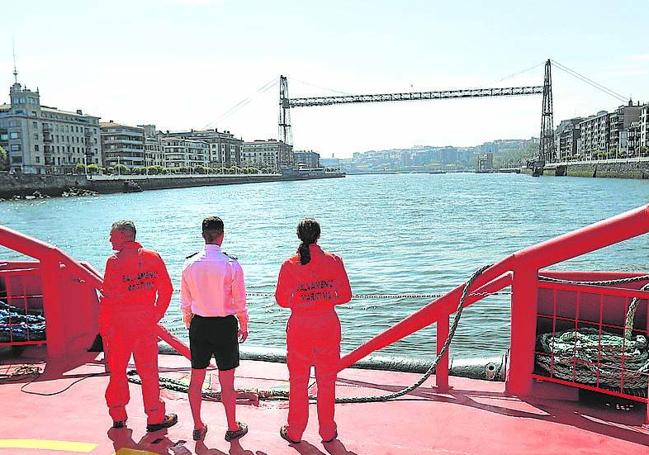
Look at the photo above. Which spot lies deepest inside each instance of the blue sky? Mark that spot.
(185, 63)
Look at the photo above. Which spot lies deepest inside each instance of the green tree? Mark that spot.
(4, 159)
(93, 169)
(121, 169)
(79, 168)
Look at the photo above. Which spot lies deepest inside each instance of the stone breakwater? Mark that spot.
(26, 186)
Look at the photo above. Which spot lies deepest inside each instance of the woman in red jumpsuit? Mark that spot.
(311, 284)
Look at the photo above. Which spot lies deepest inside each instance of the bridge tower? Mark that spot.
(285, 134)
(546, 143)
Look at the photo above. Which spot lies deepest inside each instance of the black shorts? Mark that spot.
(214, 336)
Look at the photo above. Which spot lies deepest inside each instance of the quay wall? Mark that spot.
(56, 185)
(623, 170)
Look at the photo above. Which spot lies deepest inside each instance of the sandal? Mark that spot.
(199, 434)
(283, 432)
(232, 435)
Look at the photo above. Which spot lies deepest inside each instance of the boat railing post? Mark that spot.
(441, 370)
(523, 329)
(54, 326)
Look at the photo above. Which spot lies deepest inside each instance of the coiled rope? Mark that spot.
(592, 356)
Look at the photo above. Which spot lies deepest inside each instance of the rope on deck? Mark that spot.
(594, 356)
(180, 386)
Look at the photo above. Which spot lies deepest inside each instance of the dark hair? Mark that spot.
(309, 232)
(212, 227)
(124, 226)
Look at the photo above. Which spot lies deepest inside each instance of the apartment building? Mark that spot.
(46, 140)
(308, 159)
(224, 148)
(567, 136)
(594, 136)
(185, 153)
(153, 148)
(620, 121)
(122, 145)
(271, 153)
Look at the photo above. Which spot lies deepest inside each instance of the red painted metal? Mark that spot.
(573, 306)
(521, 271)
(70, 302)
(20, 288)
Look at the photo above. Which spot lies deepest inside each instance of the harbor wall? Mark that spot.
(623, 170)
(56, 185)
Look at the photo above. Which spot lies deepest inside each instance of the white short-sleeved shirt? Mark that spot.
(212, 285)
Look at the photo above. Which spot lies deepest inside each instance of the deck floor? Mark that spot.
(474, 417)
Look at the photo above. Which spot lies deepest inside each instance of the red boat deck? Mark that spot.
(474, 417)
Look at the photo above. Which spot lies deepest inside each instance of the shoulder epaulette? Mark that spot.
(191, 255)
(234, 258)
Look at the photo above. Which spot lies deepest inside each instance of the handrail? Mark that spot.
(525, 262)
(54, 257)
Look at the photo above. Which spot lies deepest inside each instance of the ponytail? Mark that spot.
(305, 254)
(308, 231)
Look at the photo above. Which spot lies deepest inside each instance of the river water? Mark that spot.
(410, 233)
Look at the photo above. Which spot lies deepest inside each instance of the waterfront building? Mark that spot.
(122, 145)
(594, 136)
(620, 120)
(644, 130)
(45, 140)
(153, 148)
(567, 136)
(187, 154)
(485, 162)
(271, 154)
(308, 159)
(224, 148)
(634, 139)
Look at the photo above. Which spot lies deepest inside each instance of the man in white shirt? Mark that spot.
(213, 300)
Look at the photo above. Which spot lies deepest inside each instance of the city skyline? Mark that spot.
(184, 64)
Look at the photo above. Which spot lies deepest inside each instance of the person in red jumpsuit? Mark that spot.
(311, 284)
(135, 295)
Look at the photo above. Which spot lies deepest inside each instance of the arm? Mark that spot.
(343, 288)
(185, 299)
(165, 290)
(284, 290)
(239, 300)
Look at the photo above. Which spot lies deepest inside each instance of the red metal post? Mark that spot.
(523, 330)
(52, 305)
(441, 371)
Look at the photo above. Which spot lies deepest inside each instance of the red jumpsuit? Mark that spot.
(135, 295)
(312, 291)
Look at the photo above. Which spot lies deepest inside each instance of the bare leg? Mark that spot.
(195, 396)
(229, 398)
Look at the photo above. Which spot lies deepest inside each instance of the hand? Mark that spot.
(242, 335)
(187, 319)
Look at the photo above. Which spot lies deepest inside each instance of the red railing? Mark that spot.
(521, 271)
(69, 296)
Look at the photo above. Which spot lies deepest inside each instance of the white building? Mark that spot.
(185, 153)
(271, 154)
(45, 140)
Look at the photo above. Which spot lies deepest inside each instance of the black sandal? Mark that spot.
(199, 434)
(283, 432)
(232, 435)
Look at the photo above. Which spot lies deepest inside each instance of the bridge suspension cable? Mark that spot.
(590, 82)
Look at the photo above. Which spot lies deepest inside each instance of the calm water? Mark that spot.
(397, 234)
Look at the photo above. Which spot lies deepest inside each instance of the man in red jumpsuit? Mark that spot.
(311, 284)
(135, 295)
